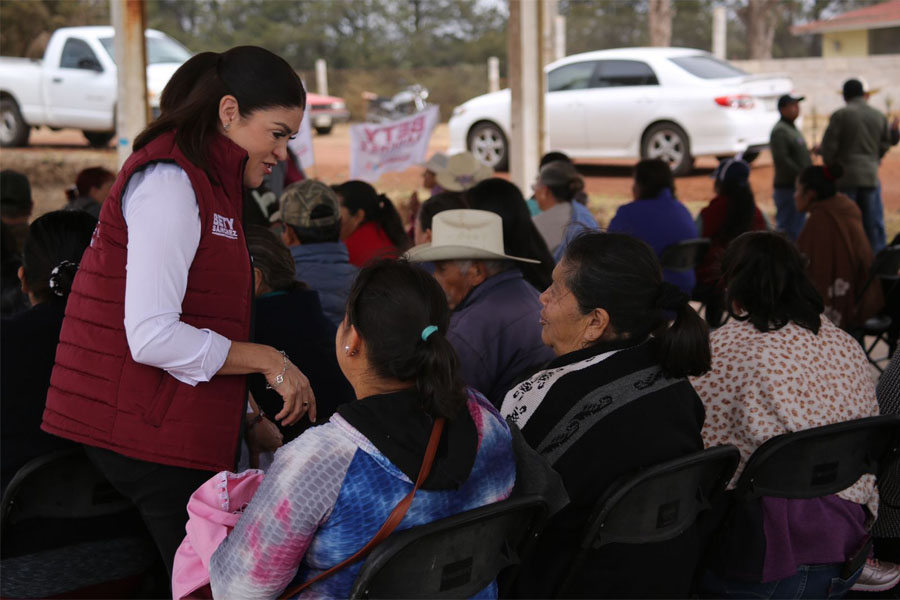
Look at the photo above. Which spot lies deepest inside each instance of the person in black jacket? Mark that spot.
(288, 315)
(615, 400)
(52, 250)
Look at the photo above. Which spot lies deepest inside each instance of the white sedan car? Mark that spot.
(668, 103)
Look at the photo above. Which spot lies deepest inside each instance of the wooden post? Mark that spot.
(132, 111)
(321, 77)
(493, 74)
(527, 92)
(719, 32)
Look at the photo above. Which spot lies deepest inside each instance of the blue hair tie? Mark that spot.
(426, 333)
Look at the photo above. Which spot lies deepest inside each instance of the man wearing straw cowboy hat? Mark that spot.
(495, 326)
(856, 138)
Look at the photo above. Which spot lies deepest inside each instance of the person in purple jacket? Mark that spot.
(495, 325)
(656, 216)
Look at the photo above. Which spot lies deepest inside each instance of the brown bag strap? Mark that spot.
(393, 519)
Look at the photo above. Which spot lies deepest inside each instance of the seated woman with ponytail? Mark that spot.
(330, 490)
(614, 401)
(780, 366)
(836, 245)
(370, 226)
(53, 248)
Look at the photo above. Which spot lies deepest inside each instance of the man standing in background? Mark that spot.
(789, 156)
(856, 138)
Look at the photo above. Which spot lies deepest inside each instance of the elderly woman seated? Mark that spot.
(779, 366)
(615, 400)
(330, 490)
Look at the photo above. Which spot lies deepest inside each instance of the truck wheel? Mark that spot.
(99, 139)
(323, 130)
(14, 131)
(488, 143)
(668, 142)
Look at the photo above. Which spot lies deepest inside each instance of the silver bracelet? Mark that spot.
(279, 379)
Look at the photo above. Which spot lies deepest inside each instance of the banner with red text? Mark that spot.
(302, 144)
(377, 148)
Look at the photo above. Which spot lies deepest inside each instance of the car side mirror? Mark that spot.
(90, 64)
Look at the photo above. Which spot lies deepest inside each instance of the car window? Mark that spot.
(574, 76)
(74, 51)
(617, 73)
(707, 67)
(159, 50)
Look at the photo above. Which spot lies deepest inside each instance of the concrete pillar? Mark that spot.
(525, 78)
(493, 74)
(560, 38)
(132, 111)
(720, 27)
(321, 77)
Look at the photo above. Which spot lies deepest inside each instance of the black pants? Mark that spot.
(160, 493)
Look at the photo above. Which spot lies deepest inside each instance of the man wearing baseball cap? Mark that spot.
(789, 156)
(311, 225)
(856, 138)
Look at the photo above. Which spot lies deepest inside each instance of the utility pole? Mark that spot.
(132, 112)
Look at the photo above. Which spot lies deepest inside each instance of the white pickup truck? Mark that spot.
(75, 84)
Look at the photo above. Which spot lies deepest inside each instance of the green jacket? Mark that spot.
(789, 153)
(856, 138)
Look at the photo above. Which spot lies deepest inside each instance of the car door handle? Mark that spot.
(57, 80)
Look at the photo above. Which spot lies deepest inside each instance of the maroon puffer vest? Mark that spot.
(98, 394)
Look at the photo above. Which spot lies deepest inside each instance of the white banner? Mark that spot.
(302, 144)
(387, 147)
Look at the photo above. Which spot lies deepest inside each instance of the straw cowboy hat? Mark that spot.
(464, 234)
(462, 172)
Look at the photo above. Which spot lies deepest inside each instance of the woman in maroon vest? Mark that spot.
(150, 368)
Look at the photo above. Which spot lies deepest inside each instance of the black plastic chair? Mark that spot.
(454, 557)
(685, 255)
(657, 504)
(820, 461)
(884, 269)
(63, 528)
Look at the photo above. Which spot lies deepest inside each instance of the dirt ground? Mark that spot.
(54, 158)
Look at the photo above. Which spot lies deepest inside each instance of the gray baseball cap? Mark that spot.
(299, 200)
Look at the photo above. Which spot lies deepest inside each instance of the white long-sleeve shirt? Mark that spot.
(163, 219)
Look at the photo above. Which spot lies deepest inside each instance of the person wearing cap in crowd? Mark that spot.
(434, 165)
(856, 138)
(15, 204)
(789, 156)
(732, 212)
(462, 172)
(495, 326)
(562, 218)
(311, 218)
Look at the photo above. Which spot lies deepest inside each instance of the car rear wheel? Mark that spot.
(99, 139)
(488, 144)
(668, 142)
(14, 130)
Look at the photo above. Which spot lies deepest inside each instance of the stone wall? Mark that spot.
(820, 80)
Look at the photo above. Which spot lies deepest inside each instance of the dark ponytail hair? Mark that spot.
(272, 258)
(739, 211)
(520, 236)
(821, 180)
(52, 252)
(765, 275)
(390, 305)
(360, 196)
(189, 104)
(439, 203)
(621, 275)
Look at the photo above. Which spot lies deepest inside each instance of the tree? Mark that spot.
(759, 18)
(659, 18)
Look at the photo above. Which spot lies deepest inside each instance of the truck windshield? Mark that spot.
(159, 50)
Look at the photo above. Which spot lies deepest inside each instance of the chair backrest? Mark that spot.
(454, 557)
(661, 502)
(820, 461)
(685, 255)
(885, 266)
(62, 485)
